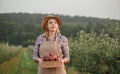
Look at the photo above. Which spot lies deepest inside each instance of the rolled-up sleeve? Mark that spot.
(37, 44)
(65, 48)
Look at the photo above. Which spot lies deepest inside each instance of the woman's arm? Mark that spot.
(65, 48)
(36, 56)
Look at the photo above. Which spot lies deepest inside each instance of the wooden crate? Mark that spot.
(51, 64)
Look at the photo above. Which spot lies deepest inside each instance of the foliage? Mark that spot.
(23, 28)
(95, 54)
(90, 54)
(7, 52)
(21, 63)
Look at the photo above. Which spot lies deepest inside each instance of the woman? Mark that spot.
(51, 42)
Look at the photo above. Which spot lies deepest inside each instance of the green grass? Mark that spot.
(25, 65)
(20, 64)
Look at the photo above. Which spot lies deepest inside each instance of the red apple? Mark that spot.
(58, 58)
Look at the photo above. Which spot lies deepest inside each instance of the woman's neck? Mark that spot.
(51, 35)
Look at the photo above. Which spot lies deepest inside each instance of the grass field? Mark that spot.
(22, 63)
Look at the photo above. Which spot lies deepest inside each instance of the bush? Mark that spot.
(95, 54)
(7, 52)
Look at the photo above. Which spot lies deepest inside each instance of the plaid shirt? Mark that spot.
(62, 43)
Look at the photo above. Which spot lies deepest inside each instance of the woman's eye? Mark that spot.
(50, 23)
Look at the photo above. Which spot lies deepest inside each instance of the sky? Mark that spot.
(90, 8)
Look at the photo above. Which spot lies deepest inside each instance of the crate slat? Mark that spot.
(51, 64)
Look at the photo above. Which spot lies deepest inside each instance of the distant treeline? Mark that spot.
(23, 28)
(36, 18)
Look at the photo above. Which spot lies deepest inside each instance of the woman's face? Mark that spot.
(52, 25)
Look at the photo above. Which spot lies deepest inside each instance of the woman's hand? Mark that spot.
(62, 61)
(40, 61)
(37, 60)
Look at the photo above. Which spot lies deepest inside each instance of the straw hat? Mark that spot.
(45, 20)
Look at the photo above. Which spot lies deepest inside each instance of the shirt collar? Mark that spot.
(56, 36)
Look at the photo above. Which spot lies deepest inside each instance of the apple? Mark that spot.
(51, 57)
(58, 58)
